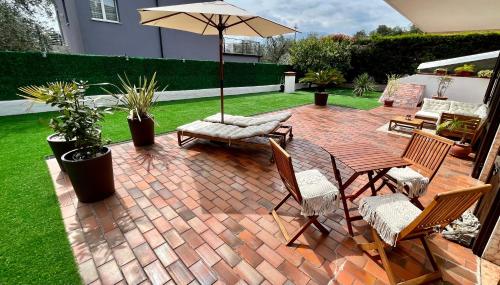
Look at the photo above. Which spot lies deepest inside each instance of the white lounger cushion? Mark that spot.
(228, 132)
(243, 121)
(388, 214)
(319, 196)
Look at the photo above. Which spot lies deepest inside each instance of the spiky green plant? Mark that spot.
(136, 99)
(454, 125)
(392, 85)
(323, 78)
(444, 83)
(363, 83)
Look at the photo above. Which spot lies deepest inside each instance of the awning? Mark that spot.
(481, 61)
(443, 16)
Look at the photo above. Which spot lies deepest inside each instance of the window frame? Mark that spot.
(103, 10)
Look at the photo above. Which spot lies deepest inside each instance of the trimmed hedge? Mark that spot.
(32, 68)
(402, 54)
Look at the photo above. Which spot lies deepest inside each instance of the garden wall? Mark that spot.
(402, 54)
(32, 68)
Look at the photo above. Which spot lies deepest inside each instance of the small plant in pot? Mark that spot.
(465, 70)
(282, 84)
(89, 166)
(138, 101)
(486, 73)
(391, 89)
(55, 94)
(461, 148)
(322, 79)
(363, 83)
(444, 82)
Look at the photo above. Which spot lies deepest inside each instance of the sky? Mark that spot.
(326, 16)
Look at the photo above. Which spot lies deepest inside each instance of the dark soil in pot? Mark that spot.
(92, 178)
(143, 131)
(60, 146)
(439, 98)
(320, 98)
(388, 103)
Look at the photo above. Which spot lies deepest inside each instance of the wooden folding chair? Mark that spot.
(426, 152)
(445, 208)
(285, 168)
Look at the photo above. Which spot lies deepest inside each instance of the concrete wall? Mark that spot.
(464, 89)
(129, 37)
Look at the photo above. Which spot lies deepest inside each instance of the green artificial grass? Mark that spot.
(345, 98)
(33, 244)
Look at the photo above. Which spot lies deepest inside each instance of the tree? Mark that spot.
(19, 28)
(318, 53)
(276, 49)
(384, 30)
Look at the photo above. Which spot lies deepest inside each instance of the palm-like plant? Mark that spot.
(323, 78)
(455, 125)
(362, 84)
(137, 99)
(392, 85)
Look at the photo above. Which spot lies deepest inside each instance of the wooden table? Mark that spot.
(362, 159)
(402, 121)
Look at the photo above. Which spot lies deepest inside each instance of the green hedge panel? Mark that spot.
(402, 54)
(31, 68)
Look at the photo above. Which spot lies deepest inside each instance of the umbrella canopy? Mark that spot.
(445, 16)
(212, 18)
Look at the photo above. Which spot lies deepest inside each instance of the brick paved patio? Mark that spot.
(200, 214)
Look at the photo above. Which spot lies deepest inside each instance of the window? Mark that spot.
(104, 10)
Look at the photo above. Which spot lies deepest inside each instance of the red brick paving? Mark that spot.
(200, 214)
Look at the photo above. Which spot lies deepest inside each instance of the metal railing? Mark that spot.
(241, 46)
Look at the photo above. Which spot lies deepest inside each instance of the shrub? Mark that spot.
(466, 68)
(315, 53)
(362, 84)
(487, 73)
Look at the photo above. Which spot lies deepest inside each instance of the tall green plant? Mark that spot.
(136, 99)
(78, 117)
(392, 85)
(363, 83)
(444, 82)
(323, 78)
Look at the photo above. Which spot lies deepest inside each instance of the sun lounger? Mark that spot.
(230, 134)
(243, 121)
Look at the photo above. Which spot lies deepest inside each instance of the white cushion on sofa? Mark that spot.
(463, 108)
(431, 115)
(436, 106)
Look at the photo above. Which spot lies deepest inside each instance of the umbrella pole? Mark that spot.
(221, 74)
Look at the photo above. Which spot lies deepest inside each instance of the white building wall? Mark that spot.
(463, 89)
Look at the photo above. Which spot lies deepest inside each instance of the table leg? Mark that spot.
(369, 184)
(372, 183)
(342, 188)
(390, 125)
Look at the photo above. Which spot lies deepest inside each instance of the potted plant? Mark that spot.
(444, 83)
(391, 89)
(54, 94)
(486, 73)
(362, 84)
(322, 79)
(465, 70)
(138, 101)
(461, 148)
(440, 71)
(89, 166)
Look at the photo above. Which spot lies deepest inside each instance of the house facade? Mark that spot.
(111, 27)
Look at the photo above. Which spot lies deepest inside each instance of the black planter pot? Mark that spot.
(388, 103)
(320, 98)
(60, 146)
(93, 178)
(282, 88)
(143, 131)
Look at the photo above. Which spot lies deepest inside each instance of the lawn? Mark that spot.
(34, 248)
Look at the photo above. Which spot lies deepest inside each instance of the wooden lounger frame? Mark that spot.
(445, 208)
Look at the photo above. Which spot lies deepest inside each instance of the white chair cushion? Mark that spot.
(435, 106)
(388, 214)
(243, 121)
(405, 176)
(463, 108)
(426, 114)
(319, 196)
(228, 132)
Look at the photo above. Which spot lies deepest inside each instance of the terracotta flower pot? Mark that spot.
(143, 131)
(320, 98)
(465, 73)
(440, 72)
(388, 103)
(92, 178)
(60, 146)
(461, 150)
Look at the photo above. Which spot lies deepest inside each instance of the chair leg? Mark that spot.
(417, 203)
(300, 231)
(281, 203)
(379, 244)
(320, 227)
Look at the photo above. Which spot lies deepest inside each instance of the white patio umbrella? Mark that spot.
(212, 18)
